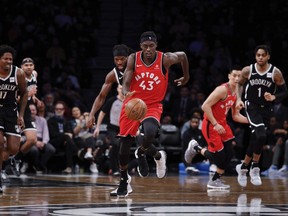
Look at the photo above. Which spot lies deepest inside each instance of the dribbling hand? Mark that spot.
(90, 121)
(181, 81)
(239, 105)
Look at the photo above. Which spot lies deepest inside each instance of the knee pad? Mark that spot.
(261, 135)
(124, 150)
(149, 130)
(228, 149)
(219, 158)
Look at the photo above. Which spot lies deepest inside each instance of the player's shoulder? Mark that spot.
(19, 71)
(35, 72)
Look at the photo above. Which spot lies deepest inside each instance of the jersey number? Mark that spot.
(259, 92)
(148, 86)
(3, 94)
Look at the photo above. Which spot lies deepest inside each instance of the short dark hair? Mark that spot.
(7, 49)
(234, 67)
(120, 50)
(148, 36)
(266, 48)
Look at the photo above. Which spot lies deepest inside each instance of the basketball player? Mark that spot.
(260, 94)
(120, 53)
(29, 131)
(12, 80)
(215, 129)
(146, 77)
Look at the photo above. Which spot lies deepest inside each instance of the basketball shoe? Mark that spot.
(122, 190)
(15, 166)
(190, 151)
(129, 188)
(161, 168)
(142, 168)
(255, 176)
(217, 184)
(242, 175)
(1, 189)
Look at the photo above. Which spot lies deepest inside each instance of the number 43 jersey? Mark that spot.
(149, 81)
(259, 83)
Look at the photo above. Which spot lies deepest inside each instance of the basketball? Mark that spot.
(136, 109)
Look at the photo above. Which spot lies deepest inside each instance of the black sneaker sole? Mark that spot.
(143, 176)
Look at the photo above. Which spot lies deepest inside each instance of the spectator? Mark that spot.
(61, 135)
(83, 138)
(42, 151)
(193, 132)
(280, 151)
(113, 107)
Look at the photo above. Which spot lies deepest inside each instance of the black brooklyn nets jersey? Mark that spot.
(119, 75)
(9, 89)
(31, 83)
(258, 84)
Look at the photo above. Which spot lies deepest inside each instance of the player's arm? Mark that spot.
(239, 90)
(175, 58)
(237, 116)
(99, 122)
(217, 95)
(127, 77)
(110, 79)
(23, 95)
(281, 92)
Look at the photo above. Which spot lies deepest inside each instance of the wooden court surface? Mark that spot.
(174, 195)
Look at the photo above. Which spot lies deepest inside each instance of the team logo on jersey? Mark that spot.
(269, 75)
(17, 129)
(12, 79)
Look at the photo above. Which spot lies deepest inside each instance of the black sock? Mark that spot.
(244, 166)
(216, 176)
(123, 174)
(255, 164)
(18, 156)
(198, 148)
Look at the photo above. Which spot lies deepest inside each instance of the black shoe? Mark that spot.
(143, 168)
(122, 189)
(15, 166)
(1, 189)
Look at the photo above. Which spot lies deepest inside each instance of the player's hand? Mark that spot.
(20, 122)
(90, 121)
(96, 132)
(129, 94)
(181, 81)
(269, 97)
(219, 128)
(239, 105)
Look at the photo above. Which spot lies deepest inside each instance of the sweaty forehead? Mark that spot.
(261, 52)
(148, 43)
(28, 64)
(7, 55)
(236, 72)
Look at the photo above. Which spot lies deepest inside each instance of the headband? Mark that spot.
(27, 60)
(120, 52)
(148, 37)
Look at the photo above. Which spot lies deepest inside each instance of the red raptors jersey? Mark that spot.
(221, 108)
(148, 81)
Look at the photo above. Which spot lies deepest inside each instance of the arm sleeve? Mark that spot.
(281, 93)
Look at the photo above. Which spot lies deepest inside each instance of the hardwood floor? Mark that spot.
(175, 194)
